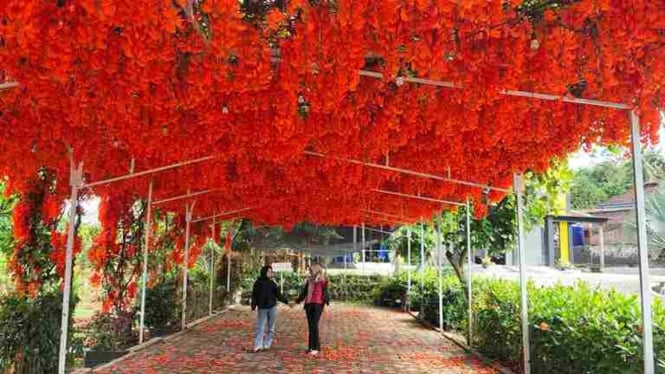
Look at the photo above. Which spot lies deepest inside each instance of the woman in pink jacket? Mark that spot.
(315, 296)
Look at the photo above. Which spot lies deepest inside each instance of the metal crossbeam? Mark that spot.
(406, 219)
(514, 93)
(8, 85)
(408, 172)
(221, 215)
(147, 172)
(185, 196)
(418, 197)
(452, 85)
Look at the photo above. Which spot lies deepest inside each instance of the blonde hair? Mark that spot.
(316, 272)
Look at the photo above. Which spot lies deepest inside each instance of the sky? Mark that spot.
(583, 159)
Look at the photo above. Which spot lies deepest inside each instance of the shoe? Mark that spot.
(265, 349)
(256, 350)
(313, 352)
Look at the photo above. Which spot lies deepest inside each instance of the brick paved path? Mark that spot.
(355, 339)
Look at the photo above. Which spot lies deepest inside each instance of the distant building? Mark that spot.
(620, 211)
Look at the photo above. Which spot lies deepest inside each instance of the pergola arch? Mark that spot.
(472, 93)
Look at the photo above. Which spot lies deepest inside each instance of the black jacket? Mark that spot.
(303, 294)
(265, 294)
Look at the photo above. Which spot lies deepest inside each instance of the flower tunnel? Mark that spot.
(330, 112)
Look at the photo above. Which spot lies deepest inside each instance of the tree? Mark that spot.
(585, 193)
(596, 184)
(303, 234)
(397, 242)
(495, 233)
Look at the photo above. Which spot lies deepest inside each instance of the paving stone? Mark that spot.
(355, 339)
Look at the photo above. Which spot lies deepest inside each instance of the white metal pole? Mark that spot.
(228, 265)
(75, 181)
(228, 271)
(344, 277)
(439, 247)
(353, 253)
(281, 282)
(642, 246)
(185, 263)
(422, 270)
(469, 280)
(602, 247)
(408, 267)
(363, 248)
(146, 245)
(519, 191)
(212, 267)
(355, 238)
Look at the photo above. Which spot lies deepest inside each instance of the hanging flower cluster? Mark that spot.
(144, 84)
(38, 259)
(116, 253)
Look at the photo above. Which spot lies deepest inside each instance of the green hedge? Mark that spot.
(352, 288)
(427, 298)
(573, 329)
(30, 333)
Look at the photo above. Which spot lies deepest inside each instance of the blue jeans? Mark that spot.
(265, 315)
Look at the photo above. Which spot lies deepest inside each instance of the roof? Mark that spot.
(574, 216)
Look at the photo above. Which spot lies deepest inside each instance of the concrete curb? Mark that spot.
(502, 369)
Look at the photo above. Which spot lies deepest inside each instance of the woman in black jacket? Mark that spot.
(265, 295)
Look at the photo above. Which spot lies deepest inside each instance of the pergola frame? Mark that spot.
(223, 214)
(77, 183)
(407, 172)
(185, 196)
(645, 292)
(418, 197)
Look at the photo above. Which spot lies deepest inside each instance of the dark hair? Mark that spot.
(264, 271)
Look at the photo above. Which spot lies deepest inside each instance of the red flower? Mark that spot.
(274, 18)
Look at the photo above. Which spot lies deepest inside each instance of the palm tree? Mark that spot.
(655, 222)
(655, 207)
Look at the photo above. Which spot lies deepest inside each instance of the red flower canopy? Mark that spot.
(158, 82)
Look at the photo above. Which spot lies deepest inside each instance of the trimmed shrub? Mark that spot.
(352, 288)
(161, 307)
(575, 329)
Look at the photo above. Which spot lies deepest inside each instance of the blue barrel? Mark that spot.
(383, 253)
(578, 235)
